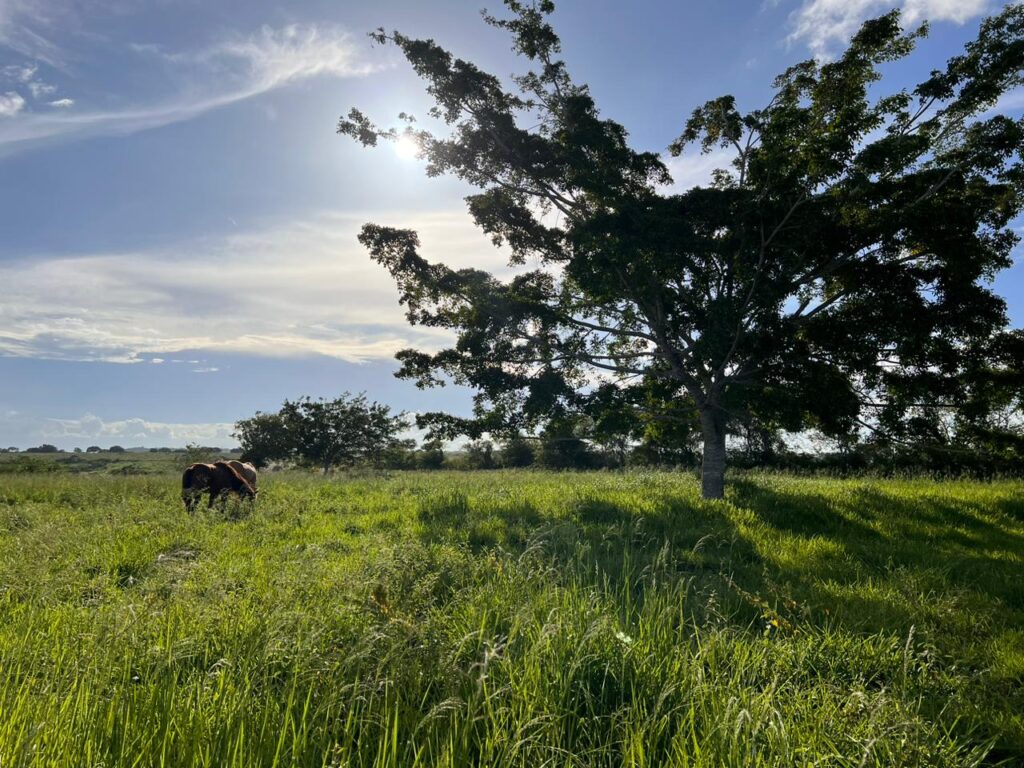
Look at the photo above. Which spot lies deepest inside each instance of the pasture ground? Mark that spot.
(512, 619)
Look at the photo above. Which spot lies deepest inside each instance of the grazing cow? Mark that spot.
(218, 478)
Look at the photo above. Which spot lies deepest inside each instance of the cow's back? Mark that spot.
(246, 470)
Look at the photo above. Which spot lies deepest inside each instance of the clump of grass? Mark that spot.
(512, 619)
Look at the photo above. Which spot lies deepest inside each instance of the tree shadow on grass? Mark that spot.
(857, 561)
(923, 549)
(860, 558)
(601, 543)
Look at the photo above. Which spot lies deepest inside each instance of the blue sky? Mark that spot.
(178, 217)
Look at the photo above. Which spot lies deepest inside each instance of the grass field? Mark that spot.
(128, 463)
(505, 618)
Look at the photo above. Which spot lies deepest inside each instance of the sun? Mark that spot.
(406, 147)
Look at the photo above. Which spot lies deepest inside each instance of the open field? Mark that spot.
(512, 618)
(128, 463)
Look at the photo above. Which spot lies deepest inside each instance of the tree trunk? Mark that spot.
(712, 470)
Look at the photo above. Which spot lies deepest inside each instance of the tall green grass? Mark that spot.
(512, 619)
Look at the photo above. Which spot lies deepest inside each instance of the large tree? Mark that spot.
(833, 274)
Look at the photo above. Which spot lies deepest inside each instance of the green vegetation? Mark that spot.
(115, 463)
(512, 618)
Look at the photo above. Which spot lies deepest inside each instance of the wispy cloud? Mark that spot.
(20, 22)
(62, 103)
(40, 89)
(1012, 101)
(825, 26)
(225, 73)
(302, 288)
(18, 73)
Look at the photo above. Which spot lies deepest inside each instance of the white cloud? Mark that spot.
(225, 73)
(11, 103)
(62, 103)
(692, 169)
(958, 11)
(827, 25)
(302, 288)
(275, 57)
(135, 431)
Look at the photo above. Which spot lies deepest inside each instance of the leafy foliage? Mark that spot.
(345, 431)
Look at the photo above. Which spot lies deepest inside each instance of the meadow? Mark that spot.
(512, 619)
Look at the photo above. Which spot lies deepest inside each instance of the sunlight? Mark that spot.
(407, 147)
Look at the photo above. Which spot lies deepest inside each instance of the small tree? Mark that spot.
(341, 432)
(44, 448)
(264, 438)
(832, 276)
(93, 449)
(116, 449)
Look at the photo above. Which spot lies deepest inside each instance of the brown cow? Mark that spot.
(218, 478)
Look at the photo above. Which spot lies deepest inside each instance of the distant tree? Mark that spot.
(345, 431)
(431, 455)
(116, 449)
(561, 447)
(516, 452)
(93, 449)
(264, 438)
(400, 455)
(44, 448)
(77, 449)
(13, 449)
(833, 276)
(480, 455)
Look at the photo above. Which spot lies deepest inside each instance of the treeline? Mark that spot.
(352, 431)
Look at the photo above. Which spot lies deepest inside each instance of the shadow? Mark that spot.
(926, 549)
(931, 569)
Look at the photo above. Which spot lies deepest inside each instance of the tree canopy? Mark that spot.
(324, 433)
(834, 274)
